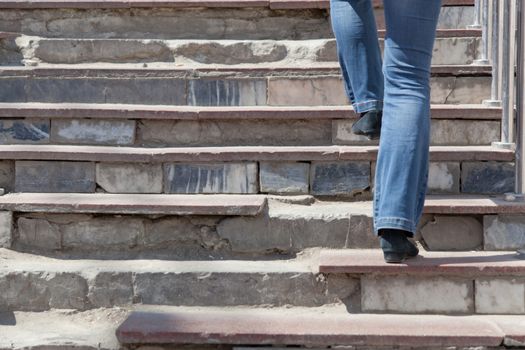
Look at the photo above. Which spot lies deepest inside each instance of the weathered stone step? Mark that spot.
(252, 19)
(61, 329)
(346, 171)
(42, 51)
(172, 126)
(241, 85)
(140, 228)
(313, 327)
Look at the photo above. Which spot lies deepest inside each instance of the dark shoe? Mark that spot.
(369, 125)
(396, 247)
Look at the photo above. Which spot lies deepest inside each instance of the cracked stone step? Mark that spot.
(157, 226)
(241, 85)
(314, 327)
(43, 51)
(161, 126)
(252, 19)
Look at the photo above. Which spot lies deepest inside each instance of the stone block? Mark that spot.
(67, 291)
(279, 177)
(7, 175)
(500, 296)
(306, 91)
(24, 131)
(6, 229)
(487, 177)
(234, 132)
(458, 132)
(343, 135)
(171, 232)
(504, 232)
(102, 233)
(129, 178)
(93, 132)
(410, 294)
(443, 177)
(226, 92)
(210, 178)
(231, 289)
(457, 90)
(12, 90)
(136, 90)
(110, 289)
(51, 176)
(454, 233)
(457, 50)
(38, 233)
(339, 178)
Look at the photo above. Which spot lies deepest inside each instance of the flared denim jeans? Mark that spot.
(400, 87)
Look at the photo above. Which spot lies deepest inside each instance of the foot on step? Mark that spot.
(368, 124)
(396, 246)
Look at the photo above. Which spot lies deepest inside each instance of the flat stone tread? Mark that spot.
(169, 70)
(278, 4)
(15, 262)
(469, 264)
(135, 111)
(313, 326)
(237, 153)
(61, 329)
(170, 204)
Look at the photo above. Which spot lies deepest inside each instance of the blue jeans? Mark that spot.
(400, 87)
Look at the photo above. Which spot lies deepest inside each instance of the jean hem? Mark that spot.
(394, 223)
(366, 106)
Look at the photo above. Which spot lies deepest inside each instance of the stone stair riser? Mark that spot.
(350, 179)
(209, 24)
(193, 133)
(284, 229)
(37, 50)
(270, 91)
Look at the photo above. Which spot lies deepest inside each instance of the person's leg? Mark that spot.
(354, 26)
(402, 164)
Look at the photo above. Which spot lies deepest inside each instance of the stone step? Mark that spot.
(95, 329)
(40, 51)
(344, 171)
(209, 227)
(161, 126)
(253, 19)
(314, 327)
(37, 283)
(241, 85)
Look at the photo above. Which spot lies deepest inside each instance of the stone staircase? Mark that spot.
(181, 174)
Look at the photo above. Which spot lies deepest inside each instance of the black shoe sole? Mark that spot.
(394, 258)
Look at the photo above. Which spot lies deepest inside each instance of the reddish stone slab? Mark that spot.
(133, 111)
(469, 264)
(310, 328)
(513, 327)
(216, 204)
(472, 204)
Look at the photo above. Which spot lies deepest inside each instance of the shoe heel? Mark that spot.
(394, 258)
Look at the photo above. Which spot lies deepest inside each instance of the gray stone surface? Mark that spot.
(210, 178)
(138, 90)
(443, 177)
(339, 178)
(6, 229)
(234, 132)
(487, 177)
(280, 177)
(226, 92)
(129, 178)
(38, 233)
(342, 133)
(306, 91)
(301, 289)
(7, 175)
(500, 296)
(453, 233)
(410, 294)
(93, 132)
(291, 228)
(110, 289)
(24, 131)
(464, 132)
(504, 232)
(176, 231)
(102, 233)
(461, 89)
(54, 176)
